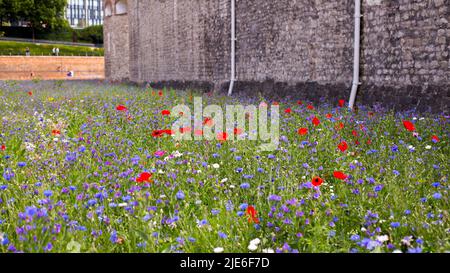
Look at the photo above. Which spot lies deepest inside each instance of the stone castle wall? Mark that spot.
(300, 48)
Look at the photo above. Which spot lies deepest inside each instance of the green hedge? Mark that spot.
(92, 34)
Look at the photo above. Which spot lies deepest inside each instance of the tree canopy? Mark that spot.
(40, 14)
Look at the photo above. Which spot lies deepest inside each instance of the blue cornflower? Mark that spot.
(396, 172)
(222, 235)
(238, 158)
(48, 247)
(8, 174)
(415, 250)
(355, 237)
(395, 224)
(70, 157)
(378, 188)
(215, 211)
(275, 198)
(113, 238)
(48, 193)
(243, 206)
(30, 211)
(180, 195)
(4, 240)
(245, 185)
(21, 164)
(437, 195)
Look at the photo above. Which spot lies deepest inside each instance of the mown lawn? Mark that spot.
(18, 48)
(82, 170)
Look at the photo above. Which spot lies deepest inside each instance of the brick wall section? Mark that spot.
(51, 68)
(116, 43)
(297, 48)
(405, 54)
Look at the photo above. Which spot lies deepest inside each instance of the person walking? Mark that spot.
(57, 51)
(27, 51)
(54, 51)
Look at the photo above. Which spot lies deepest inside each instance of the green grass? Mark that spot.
(77, 191)
(18, 48)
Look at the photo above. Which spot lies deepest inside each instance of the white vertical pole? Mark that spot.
(356, 63)
(233, 46)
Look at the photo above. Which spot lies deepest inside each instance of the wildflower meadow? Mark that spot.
(94, 167)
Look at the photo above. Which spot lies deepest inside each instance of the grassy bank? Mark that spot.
(18, 48)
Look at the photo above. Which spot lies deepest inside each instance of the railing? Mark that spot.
(49, 42)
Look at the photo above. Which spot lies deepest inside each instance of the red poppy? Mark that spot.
(357, 142)
(299, 102)
(185, 130)
(160, 93)
(341, 103)
(30, 93)
(121, 108)
(251, 213)
(302, 131)
(198, 132)
(165, 112)
(371, 114)
(208, 122)
(56, 132)
(435, 138)
(340, 126)
(158, 133)
(329, 116)
(310, 107)
(3, 147)
(340, 175)
(409, 125)
(288, 110)
(144, 177)
(343, 146)
(355, 133)
(237, 131)
(316, 121)
(222, 136)
(275, 103)
(369, 142)
(168, 132)
(317, 181)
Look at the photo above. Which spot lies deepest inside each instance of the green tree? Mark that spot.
(9, 10)
(42, 14)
